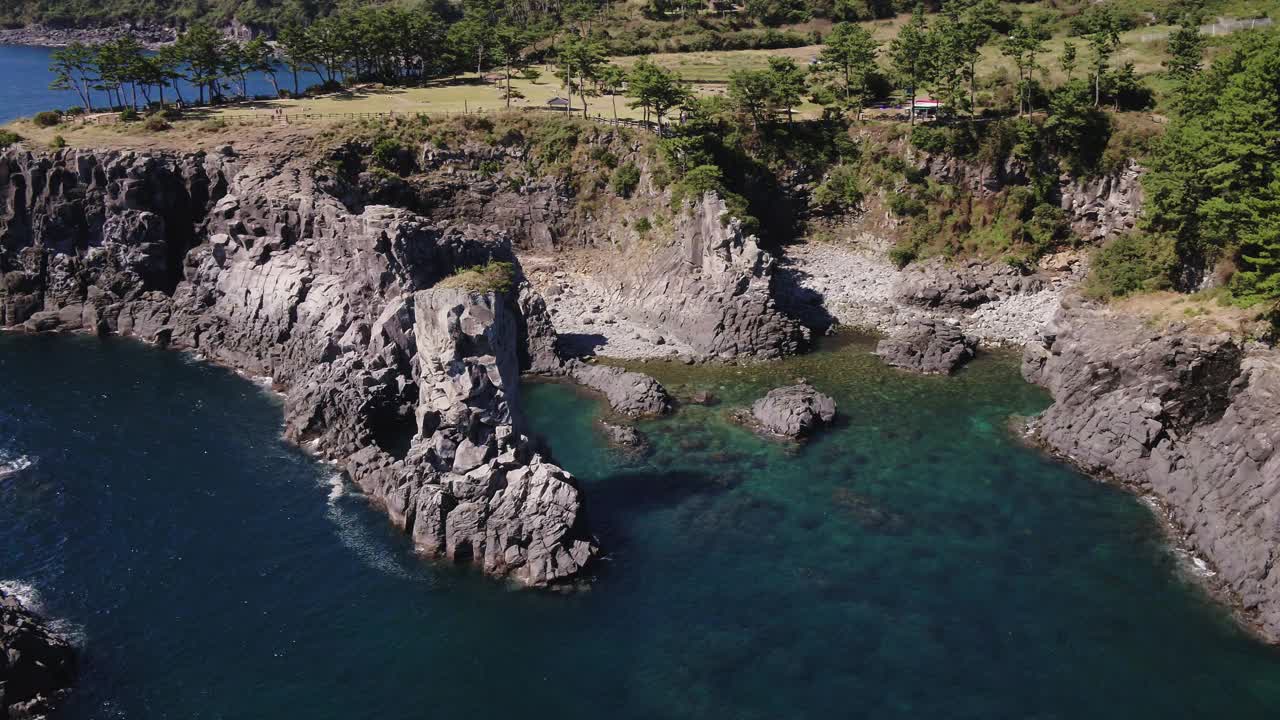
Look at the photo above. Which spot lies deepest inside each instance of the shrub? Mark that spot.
(47, 118)
(841, 190)
(643, 225)
(625, 179)
(129, 115)
(555, 141)
(903, 205)
(8, 137)
(903, 254)
(497, 277)
(155, 123)
(934, 140)
(58, 142)
(387, 154)
(1131, 263)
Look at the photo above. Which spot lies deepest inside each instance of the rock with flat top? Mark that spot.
(928, 346)
(795, 411)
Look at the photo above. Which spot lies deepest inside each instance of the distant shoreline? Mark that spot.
(150, 36)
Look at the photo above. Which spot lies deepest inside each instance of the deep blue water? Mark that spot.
(916, 562)
(24, 88)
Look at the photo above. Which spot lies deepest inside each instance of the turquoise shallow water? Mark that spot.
(916, 562)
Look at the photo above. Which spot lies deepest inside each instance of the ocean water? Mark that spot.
(914, 562)
(24, 89)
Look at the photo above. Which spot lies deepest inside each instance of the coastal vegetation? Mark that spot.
(1035, 90)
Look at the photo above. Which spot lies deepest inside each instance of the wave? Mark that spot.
(354, 533)
(29, 596)
(12, 465)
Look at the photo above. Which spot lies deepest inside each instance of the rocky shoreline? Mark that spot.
(267, 265)
(150, 35)
(37, 666)
(1187, 419)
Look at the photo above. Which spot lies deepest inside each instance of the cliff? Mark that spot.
(250, 263)
(1188, 419)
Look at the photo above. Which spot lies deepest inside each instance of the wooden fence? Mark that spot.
(269, 118)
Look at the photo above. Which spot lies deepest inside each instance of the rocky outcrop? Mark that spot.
(149, 35)
(1102, 206)
(711, 290)
(928, 346)
(936, 284)
(37, 667)
(630, 393)
(413, 390)
(627, 439)
(794, 412)
(1189, 419)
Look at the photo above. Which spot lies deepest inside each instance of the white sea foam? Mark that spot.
(29, 596)
(11, 464)
(355, 535)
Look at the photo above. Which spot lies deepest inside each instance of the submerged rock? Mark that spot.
(794, 411)
(37, 667)
(632, 442)
(630, 393)
(928, 346)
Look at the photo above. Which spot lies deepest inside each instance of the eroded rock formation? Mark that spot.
(413, 390)
(1190, 419)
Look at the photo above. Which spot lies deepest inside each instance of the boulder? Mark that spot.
(928, 346)
(630, 393)
(794, 411)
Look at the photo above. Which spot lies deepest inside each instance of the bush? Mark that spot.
(643, 225)
(8, 137)
(58, 142)
(1131, 263)
(625, 179)
(155, 123)
(933, 140)
(903, 254)
(328, 86)
(496, 277)
(387, 154)
(903, 205)
(129, 115)
(47, 118)
(841, 190)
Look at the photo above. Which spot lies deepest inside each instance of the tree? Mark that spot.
(1022, 46)
(1186, 52)
(655, 89)
(1214, 181)
(1104, 39)
(509, 43)
(777, 12)
(751, 92)
(580, 62)
(297, 51)
(1068, 58)
(203, 50)
(787, 84)
(910, 55)
(846, 63)
(612, 81)
(72, 67)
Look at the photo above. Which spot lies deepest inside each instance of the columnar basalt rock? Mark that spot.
(928, 346)
(413, 390)
(37, 666)
(1190, 419)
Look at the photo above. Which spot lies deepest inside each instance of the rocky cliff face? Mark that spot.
(1191, 420)
(36, 665)
(705, 286)
(413, 390)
